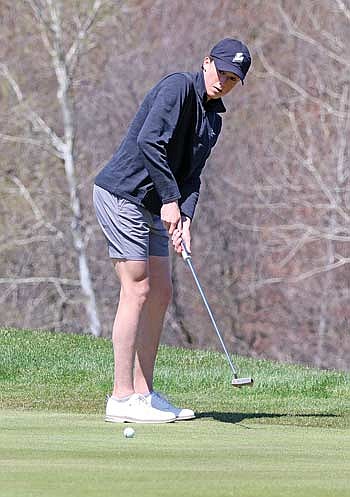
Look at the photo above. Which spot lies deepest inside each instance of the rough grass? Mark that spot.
(73, 373)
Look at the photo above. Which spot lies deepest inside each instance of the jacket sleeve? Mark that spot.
(157, 131)
(190, 189)
(190, 196)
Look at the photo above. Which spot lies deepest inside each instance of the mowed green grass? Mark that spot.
(46, 454)
(288, 435)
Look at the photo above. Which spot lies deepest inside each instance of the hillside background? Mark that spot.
(271, 236)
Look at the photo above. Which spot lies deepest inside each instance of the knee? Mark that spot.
(142, 290)
(137, 292)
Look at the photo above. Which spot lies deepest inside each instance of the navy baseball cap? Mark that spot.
(232, 56)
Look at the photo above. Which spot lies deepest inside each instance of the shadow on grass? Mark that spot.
(237, 417)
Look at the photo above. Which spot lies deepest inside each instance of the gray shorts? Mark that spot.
(132, 232)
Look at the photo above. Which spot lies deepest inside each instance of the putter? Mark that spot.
(236, 382)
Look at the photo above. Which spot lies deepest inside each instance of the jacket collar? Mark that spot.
(213, 105)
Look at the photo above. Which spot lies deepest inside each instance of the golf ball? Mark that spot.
(129, 433)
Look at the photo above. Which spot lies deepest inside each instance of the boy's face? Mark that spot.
(217, 83)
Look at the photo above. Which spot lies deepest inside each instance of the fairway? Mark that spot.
(56, 454)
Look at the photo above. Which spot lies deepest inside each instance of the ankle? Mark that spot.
(142, 388)
(143, 393)
(122, 394)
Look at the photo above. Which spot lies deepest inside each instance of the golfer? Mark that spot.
(146, 194)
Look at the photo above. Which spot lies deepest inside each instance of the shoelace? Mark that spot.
(142, 400)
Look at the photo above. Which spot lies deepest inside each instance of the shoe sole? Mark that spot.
(117, 419)
(185, 418)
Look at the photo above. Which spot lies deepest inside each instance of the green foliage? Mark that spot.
(74, 373)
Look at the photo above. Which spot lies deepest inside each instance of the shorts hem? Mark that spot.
(129, 257)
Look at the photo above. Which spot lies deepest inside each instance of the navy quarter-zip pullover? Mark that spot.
(166, 146)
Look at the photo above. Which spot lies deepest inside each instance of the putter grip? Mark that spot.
(185, 254)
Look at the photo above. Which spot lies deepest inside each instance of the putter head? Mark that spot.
(242, 382)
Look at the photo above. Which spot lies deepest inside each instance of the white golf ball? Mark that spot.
(129, 432)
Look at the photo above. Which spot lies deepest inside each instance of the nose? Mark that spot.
(222, 78)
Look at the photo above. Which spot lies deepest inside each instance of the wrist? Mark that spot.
(171, 201)
(185, 219)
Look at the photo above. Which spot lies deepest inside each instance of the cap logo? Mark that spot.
(239, 57)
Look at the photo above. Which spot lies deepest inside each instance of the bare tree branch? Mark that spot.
(344, 129)
(8, 76)
(30, 141)
(47, 13)
(37, 122)
(341, 261)
(308, 39)
(22, 242)
(292, 84)
(37, 279)
(344, 8)
(75, 49)
(308, 164)
(43, 23)
(36, 211)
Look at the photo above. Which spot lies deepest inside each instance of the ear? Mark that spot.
(206, 62)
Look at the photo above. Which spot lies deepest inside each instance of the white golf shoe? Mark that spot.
(159, 402)
(136, 409)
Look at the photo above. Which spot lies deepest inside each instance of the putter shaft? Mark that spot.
(236, 382)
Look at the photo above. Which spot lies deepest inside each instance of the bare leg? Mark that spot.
(134, 280)
(151, 323)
